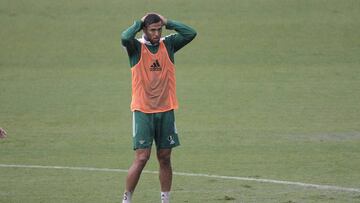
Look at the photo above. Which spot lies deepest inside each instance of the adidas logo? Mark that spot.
(155, 66)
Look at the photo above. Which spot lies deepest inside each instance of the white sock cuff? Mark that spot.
(127, 197)
(165, 197)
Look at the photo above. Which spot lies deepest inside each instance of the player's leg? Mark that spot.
(141, 158)
(166, 138)
(134, 172)
(143, 135)
(142, 142)
(165, 169)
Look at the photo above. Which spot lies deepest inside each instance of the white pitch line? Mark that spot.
(307, 185)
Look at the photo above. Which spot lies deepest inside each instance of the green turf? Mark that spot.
(273, 92)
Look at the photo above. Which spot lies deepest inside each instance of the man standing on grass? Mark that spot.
(153, 95)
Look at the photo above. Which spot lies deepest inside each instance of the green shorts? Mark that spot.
(160, 127)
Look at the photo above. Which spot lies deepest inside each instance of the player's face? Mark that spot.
(153, 32)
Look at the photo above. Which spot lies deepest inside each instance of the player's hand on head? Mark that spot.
(163, 19)
(2, 133)
(143, 18)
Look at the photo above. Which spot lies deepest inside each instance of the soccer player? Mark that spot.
(153, 95)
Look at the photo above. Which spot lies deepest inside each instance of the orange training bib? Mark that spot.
(153, 82)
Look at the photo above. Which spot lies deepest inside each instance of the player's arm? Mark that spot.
(183, 36)
(128, 37)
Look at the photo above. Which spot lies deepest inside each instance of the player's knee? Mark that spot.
(164, 160)
(143, 159)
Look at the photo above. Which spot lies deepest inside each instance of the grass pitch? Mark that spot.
(268, 89)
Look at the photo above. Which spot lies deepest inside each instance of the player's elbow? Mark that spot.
(125, 39)
(193, 35)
